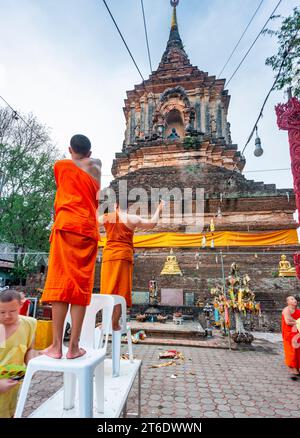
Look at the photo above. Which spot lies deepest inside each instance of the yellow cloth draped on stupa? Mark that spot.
(221, 239)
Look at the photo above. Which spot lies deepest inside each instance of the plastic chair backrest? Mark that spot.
(98, 302)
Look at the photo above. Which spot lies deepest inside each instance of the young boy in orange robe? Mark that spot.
(117, 257)
(74, 243)
(291, 345)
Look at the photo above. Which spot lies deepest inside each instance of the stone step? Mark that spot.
(169, 330)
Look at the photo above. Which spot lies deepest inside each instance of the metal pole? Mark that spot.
(139, 393)
(2, 176)
(224, 287)
(125, 410)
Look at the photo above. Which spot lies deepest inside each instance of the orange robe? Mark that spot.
(292, 354)
(74, 237)
(117, 258)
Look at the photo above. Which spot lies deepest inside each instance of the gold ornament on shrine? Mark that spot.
(171, 266)
(285, 268)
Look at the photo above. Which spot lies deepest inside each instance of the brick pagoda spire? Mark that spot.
(177, 135)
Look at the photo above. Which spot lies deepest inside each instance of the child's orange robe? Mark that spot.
(117, 259)
(74, 237)
(292, 354)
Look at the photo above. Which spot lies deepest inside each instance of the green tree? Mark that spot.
(287, 60)
(27, 186)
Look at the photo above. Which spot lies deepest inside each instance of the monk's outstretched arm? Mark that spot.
(287, 317)
(146, 224)
(101, 219)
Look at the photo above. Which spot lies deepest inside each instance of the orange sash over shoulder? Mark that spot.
(76, 200)
(292, 354)
(74, 237)
(119, 244)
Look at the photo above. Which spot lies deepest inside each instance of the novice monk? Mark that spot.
(25, 307)
(74, 243)
(289, 330)
(117, 257)
(16, 346)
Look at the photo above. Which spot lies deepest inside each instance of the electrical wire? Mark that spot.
(146, 35)
(252, 45)
(242, 36)
(285, 54)
(123, 39)
(15, 113)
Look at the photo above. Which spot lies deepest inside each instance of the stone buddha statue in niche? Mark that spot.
(173, 134)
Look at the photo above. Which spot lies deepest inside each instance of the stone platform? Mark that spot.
(191, 330)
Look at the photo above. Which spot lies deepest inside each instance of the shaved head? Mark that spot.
(291, 301)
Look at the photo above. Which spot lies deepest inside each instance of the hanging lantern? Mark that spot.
(203, 244)
(258, 149)
(212, 244)
(219, 213)
(212, 226)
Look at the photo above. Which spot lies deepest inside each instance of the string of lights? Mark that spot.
(205, 250)
(283, 169)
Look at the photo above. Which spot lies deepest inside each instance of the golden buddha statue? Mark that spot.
(171, 266)
(285, 268)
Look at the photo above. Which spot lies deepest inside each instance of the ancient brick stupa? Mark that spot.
(178, 135)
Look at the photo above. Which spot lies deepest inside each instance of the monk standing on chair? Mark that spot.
(74, 243)
(117, 257)
(290, 335)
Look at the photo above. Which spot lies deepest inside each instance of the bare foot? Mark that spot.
(53, 352)
(75, 354)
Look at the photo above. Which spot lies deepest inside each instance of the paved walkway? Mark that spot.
(209, 383)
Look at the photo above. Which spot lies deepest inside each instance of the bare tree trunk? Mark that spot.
(239, 326)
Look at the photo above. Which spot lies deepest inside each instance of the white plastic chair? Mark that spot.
(84, 368)
(116, 335)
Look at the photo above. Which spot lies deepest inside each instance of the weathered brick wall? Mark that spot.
(271, 291)
(246, 205)
(213, 179)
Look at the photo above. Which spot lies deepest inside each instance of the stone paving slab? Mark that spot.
(207, 343)
(270, 337)
(210, 383)
(167, 327)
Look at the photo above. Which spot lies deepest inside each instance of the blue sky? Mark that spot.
(64, 61)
